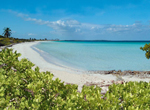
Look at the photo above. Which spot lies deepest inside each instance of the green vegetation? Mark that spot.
(7, 40)
(2, 36)
(147, 49)
(24, 88)
(7, 32)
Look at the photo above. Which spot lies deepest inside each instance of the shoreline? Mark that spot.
(68, 75)
(52, 61)
(7, 46)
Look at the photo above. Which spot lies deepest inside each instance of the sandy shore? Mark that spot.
(69, 75)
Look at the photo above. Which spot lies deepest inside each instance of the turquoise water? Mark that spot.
(96, 55)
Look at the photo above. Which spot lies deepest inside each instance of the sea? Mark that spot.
(95, 55)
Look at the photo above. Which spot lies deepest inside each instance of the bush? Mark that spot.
(24, 88)
(146, 48)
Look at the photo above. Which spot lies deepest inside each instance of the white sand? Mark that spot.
(66, 74)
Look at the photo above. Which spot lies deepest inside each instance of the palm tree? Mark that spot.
(7, 32)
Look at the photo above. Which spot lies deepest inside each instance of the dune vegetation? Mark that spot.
(21, 87)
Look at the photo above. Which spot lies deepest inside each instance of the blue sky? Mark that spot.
(77, 19)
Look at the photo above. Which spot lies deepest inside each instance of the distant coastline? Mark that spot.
(107, 40)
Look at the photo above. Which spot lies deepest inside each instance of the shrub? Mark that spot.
(24, 88)
(146, 48)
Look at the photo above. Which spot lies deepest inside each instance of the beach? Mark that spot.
(71, 75)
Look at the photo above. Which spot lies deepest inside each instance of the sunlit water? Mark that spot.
(96, 55)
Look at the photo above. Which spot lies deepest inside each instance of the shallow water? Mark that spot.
(96, 55)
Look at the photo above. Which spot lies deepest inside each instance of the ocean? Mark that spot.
(95, 55)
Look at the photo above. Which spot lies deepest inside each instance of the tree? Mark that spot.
(7, 32)
(147, 49)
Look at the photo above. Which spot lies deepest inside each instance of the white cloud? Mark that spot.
(22, 15)
(31, 34)
(15, 12)
(13, 31)
(72, 27)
